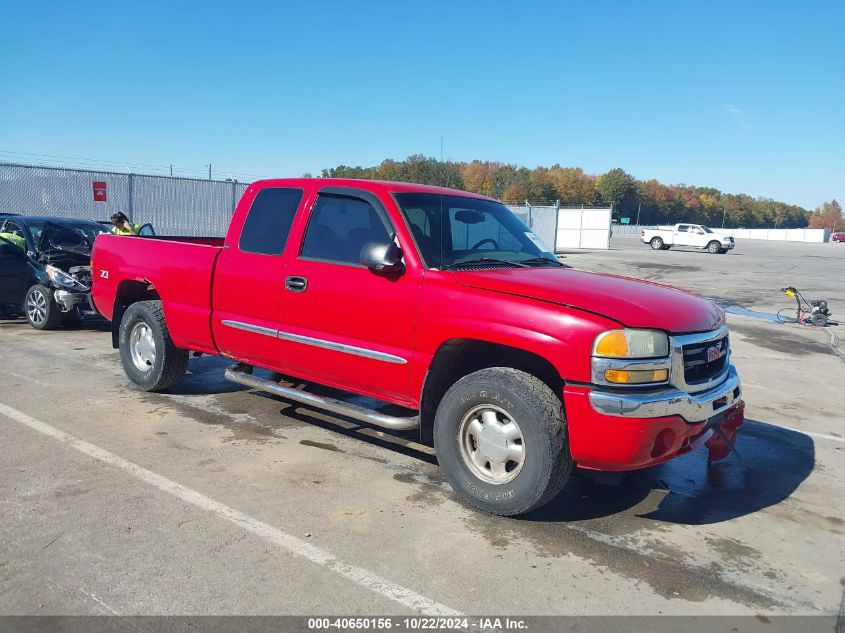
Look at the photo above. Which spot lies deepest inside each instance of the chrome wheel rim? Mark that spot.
(142, 346)
(492, 445)
(36, 307)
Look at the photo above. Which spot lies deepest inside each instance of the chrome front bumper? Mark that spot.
(691, 407)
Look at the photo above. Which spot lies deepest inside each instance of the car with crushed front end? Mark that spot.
(45, 270)
(449, 314)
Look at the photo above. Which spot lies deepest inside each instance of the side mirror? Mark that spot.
(382, 257)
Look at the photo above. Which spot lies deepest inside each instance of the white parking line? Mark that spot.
(397, 593)
(30, 379)
(813, 434)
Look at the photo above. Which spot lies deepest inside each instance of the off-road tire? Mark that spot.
(42, 296)
(538, 412)
(714, 247)
(170, 361)
(656, 243)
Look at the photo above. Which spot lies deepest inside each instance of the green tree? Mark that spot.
(618, 188)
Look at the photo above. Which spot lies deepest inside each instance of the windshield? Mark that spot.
(74, 237)
(706, 229)
(451, 230)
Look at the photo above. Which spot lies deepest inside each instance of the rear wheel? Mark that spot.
(500, 438)
(656, 243)
(714, 247)
(149, 357)
(41, 309)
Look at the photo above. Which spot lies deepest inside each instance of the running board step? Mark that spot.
(242, 374)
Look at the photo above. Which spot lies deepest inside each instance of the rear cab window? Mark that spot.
(269, 220)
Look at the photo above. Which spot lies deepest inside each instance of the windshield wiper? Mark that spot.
(485, 260)
(540, 260)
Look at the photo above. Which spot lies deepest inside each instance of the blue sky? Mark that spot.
(743, 96)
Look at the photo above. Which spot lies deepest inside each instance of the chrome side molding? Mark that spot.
(240, 374)
(316, 342)
(248, 327)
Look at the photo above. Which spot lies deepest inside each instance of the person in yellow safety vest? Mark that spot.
(122, 225)
(17, 240)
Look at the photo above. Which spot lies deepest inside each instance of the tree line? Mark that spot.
(652, 201)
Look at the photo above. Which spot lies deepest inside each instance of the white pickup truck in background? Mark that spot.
(691, 235)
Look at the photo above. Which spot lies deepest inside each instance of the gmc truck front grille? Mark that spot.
(704, 361)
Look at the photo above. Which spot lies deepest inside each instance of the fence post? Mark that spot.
(130, 208)
(557, 221)
(234, 197)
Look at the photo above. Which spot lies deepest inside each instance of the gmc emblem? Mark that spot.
(714, 353)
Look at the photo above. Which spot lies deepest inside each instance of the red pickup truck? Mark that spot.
(514, 366)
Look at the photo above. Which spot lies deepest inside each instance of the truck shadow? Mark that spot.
(772, 464)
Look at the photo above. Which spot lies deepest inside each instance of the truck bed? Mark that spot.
(180, 269)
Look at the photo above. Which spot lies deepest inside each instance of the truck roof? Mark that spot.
(382, 186)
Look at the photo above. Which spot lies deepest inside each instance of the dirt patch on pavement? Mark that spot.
(780, 340)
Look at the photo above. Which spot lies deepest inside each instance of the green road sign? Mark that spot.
(626, 220)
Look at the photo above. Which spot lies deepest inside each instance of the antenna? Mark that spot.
(441, 222)
(442, 165)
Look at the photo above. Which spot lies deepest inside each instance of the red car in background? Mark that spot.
(838, 237)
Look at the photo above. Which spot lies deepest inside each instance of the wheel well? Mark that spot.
(129, 292)
(458, 358)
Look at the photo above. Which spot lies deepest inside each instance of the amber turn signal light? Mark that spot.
(636, 376)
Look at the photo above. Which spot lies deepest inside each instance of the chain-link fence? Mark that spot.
(174, 206)
(541, 220)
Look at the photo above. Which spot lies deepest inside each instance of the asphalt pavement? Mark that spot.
(215, 499)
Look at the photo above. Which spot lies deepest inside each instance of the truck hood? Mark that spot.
(632, 302)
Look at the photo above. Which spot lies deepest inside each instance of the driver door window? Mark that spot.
(14, 229)
(339, 228)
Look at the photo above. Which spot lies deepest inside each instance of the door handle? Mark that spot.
(296, 284)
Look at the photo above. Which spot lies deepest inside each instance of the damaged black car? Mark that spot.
(45, 268)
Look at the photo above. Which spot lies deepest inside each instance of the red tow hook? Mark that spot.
(722, 443)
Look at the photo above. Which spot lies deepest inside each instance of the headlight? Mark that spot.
(631, 344)
(631, 357)
(63, 280)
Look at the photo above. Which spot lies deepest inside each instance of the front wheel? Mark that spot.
(41, 309)
(149, 357)
(500, 438)
(714, 247)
